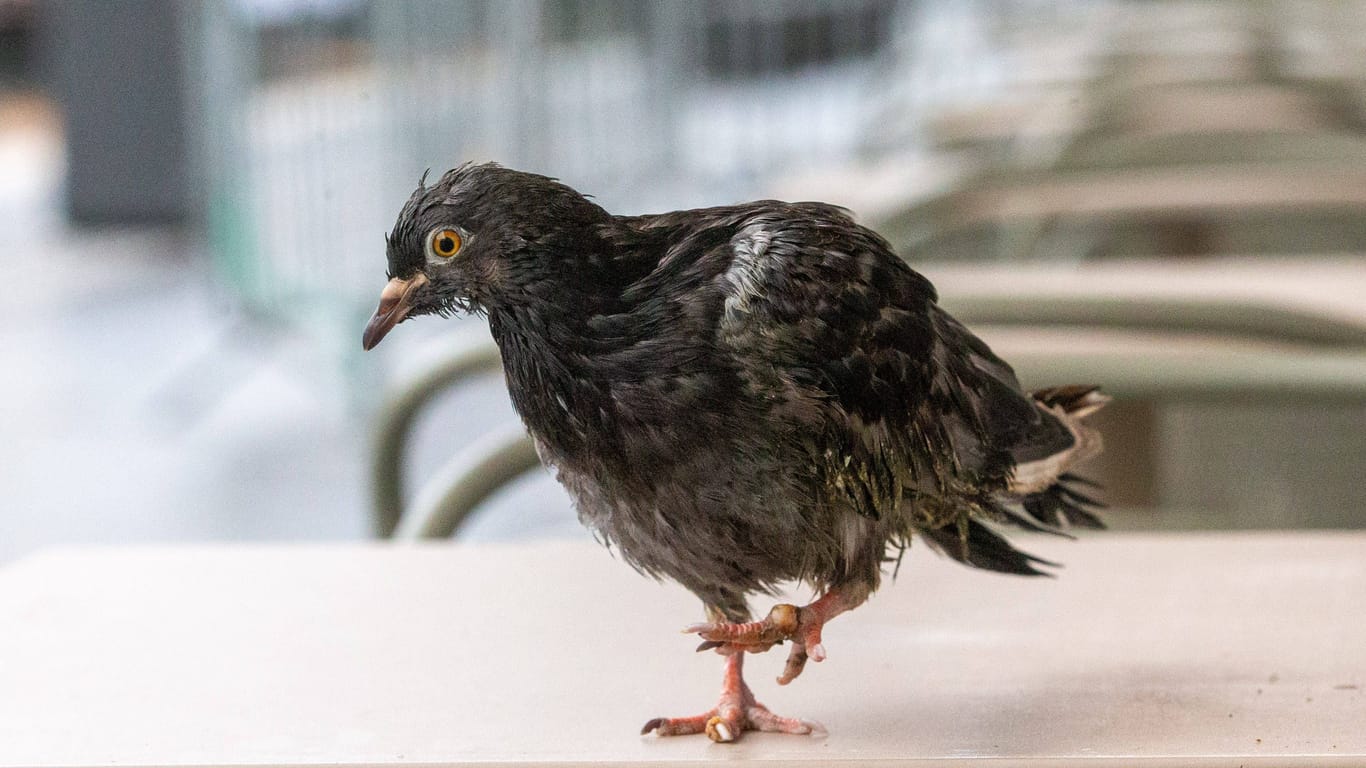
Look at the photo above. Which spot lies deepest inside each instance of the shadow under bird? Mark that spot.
(742, 396)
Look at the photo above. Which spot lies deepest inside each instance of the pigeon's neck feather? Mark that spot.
(552, 376)
(585, 357)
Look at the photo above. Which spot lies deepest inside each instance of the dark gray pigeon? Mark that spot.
(742, 396)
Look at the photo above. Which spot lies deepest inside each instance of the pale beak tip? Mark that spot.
(394, 303)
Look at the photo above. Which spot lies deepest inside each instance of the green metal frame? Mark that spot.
(397, 415)
(463, 483)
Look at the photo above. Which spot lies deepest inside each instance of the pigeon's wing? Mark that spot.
(983, 387)
(844, 339)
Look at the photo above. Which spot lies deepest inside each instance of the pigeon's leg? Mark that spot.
(784, 622)
(735, 713)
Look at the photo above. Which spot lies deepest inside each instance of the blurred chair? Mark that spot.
(468, 478)
(1199, 128)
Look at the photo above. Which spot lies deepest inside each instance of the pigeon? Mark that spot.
(741, 397)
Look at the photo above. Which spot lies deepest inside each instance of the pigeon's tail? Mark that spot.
(1042, 495)
(1045, 489)
(1064, 407)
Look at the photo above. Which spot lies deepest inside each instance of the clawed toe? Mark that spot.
(735, 713)
(761, 719)
(717, 728)
(678, 726)
(723, 730)
(780, 624)
(785, 622)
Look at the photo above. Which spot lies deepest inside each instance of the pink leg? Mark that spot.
(735, 713)
(784, 622)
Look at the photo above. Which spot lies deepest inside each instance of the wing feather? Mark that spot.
(843, 336)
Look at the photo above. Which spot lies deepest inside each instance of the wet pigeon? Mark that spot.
(742, 396)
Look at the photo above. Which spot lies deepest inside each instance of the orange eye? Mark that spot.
(445, 243)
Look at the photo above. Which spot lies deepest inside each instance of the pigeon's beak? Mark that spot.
(394, 302)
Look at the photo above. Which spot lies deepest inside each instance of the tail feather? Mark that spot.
(1067, 405)
(1060, 506)
(1042, 496)
(975, 544)
(1065, 486)
(1054, 501)
(1009, 512)
(1076, 400)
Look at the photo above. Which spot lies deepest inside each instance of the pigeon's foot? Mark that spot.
(735, 713)
(784, 622)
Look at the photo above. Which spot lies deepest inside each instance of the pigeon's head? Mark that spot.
(480, 237)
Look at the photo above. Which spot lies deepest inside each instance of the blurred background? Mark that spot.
(1168, 198)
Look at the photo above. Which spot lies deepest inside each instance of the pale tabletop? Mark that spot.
(1153, 650)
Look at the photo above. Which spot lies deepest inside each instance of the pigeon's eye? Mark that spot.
(444, 243)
